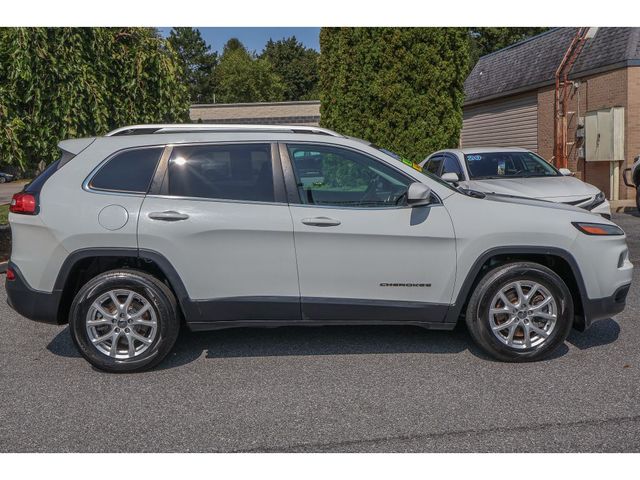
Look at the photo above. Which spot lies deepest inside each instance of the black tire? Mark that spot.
(2, 179)
(477, 314)
(161, 300)
(638, 198)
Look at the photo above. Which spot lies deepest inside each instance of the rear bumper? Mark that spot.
(600, 308)
(30, 303)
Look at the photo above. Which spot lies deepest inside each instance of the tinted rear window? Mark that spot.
(129, 171)
(227, 172)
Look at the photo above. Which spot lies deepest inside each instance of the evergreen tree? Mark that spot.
(401, 88)
(198, 62)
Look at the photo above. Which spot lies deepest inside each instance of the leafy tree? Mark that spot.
(485, 40)
(233, 44)
(58, 83)
(242, 78)
(297, 65)
(198, 62)
(401, 88)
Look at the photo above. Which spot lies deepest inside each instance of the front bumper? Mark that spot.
(601, 308)
(30, 303)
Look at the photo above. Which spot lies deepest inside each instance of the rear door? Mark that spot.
(219, 216)
(363, 255)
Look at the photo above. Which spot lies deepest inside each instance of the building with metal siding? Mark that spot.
(509, 99)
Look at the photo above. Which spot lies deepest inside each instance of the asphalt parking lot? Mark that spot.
(326, 389)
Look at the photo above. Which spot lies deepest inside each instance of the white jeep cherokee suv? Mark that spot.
(132, 235)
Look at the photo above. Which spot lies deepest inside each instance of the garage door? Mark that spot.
(509, 122)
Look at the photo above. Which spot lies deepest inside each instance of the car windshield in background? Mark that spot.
(508, 165)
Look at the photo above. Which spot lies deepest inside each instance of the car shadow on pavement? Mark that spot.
(338, 340)
(304, 341)
(600, 333)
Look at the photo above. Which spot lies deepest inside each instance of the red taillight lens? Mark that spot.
(24, 203)
(11, 275)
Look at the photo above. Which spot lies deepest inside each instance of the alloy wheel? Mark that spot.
(121, 324)
(523, 314)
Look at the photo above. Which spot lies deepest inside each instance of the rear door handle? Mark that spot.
(168, 216)
(321, 222)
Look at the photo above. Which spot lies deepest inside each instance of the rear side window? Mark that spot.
(36, 184)
(128, 171)
(226, 172)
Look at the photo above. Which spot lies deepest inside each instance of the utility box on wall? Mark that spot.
(604, 135)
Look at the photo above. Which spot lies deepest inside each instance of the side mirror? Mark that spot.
(450, 177)
(566, 172)
(418, 194)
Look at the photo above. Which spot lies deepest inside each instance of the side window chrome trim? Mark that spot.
(86, 184)
(437, 203)
(215, 200)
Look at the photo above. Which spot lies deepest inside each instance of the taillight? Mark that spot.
(24, 203)
(11, 275)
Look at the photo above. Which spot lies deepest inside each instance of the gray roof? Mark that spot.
(533, 62)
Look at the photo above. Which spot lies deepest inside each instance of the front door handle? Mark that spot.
(168, 216)
(321, 222)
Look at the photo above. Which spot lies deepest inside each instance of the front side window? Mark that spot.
(129, 171)
(226, 172)
(328, 175)
(451, 165)
(508, 165)
(433, 165)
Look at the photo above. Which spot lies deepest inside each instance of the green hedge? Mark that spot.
(401, 88)
(58, 83)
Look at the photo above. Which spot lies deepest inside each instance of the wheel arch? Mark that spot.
(557, 259)
(84, 264)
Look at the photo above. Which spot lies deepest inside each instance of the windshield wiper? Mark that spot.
(471, 193)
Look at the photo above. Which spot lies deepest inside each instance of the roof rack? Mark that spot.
(200, 127)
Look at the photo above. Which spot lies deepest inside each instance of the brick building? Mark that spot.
(510, 102)
(291, 113)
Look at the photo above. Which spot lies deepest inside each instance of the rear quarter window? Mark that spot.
(129, 171)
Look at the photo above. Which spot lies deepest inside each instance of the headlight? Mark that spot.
(598, 200)
(598, 229)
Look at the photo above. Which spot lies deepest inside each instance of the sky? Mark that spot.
(255, 38)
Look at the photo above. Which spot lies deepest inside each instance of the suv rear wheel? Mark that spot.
(520, 312)
(124, 321)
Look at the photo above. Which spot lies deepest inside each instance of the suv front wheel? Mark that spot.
(124, 321)
(520, 312)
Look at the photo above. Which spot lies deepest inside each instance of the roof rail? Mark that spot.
(204, 127)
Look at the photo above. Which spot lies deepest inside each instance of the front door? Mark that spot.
(363, 254)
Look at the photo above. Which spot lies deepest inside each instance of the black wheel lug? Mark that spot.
(126, 330)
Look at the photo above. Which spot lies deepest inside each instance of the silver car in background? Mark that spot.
(517, 172)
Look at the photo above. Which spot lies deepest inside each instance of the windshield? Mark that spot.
(508, 165)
